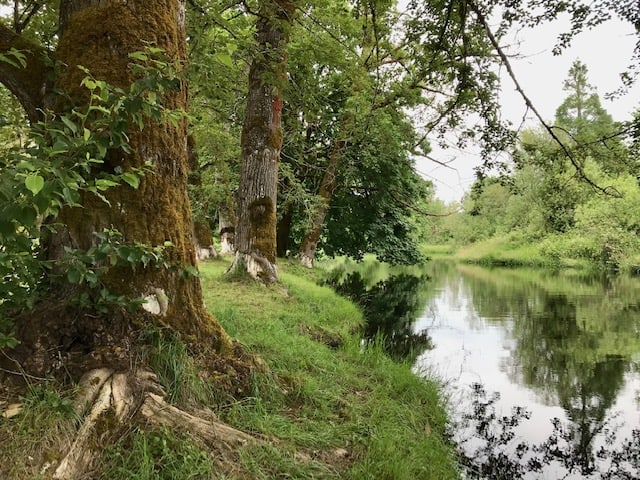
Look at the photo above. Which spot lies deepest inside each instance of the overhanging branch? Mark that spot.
(503, 57)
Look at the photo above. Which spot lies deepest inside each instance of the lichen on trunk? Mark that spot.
(261, 142)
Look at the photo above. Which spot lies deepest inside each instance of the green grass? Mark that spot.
(514, 251)
(502, 251)
(156, 455)
(331, 407)
(325, 393)
(553, 251)
(32, 440)
(437, 251)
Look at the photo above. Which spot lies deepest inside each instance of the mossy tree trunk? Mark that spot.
(261, 142)
(99, 36)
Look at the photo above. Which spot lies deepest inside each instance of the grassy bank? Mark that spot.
(326, 407)
(552, 251)
(353, 413)
(508, 251)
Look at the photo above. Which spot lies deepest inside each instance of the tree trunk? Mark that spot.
(227, 230)
(99, 36)
(261, 142)
(203, 239)
(283, 232)
(327, 187)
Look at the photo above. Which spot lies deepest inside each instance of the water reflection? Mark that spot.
(570, 341)
(391, 304)
(561, 349)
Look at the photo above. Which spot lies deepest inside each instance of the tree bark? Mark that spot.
(31, 84)
(203, 240)
(261, 142)
(99, 36)
(283, 232)
(327, 187)
(227, 229)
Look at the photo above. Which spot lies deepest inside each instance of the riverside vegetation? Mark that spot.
(553, 206)
(326, 406)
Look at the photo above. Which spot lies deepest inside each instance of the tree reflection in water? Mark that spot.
(390, 307)
(573, 350)
(492, 449)
(571, 343)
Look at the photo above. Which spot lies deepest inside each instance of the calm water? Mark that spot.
(541, 367)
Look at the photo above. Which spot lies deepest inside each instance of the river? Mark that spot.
(540, 368)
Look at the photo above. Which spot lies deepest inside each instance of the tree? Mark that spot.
(356, 125)
(581, 109)
(588, 125)
(261, 142)
(101, 37)
(220, 45)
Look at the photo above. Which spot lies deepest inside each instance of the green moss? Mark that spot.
(100, 37)
(262, 215)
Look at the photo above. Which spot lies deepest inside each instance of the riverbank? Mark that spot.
(346, 412)
(323, 406)
(557, 251)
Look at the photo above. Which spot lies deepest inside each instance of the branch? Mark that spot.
(418, 209)
(21, 21)
(29, 84)
(529, 103)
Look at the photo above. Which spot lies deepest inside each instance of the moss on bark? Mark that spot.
(100, 37)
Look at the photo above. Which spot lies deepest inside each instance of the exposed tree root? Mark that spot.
(108, 400)
(157, 411)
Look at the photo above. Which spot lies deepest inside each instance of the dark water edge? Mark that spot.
(545, 365)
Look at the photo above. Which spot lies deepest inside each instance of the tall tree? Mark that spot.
(261, 142)
(588, 125)
(60, 336)
(439, 68)
(581, 109)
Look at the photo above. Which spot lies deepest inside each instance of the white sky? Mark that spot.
(606, 51)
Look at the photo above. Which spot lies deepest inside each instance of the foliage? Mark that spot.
(544, 202)
(220, 39)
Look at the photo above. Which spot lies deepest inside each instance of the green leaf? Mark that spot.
(224, 58)
(89, 83)
(74, 276)
(104, 184)
(72, 126)
(87, 134)
(132, 179)
(25, 165)
(139, 56)
(34, 183)
(190, 271)
(59, 147)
